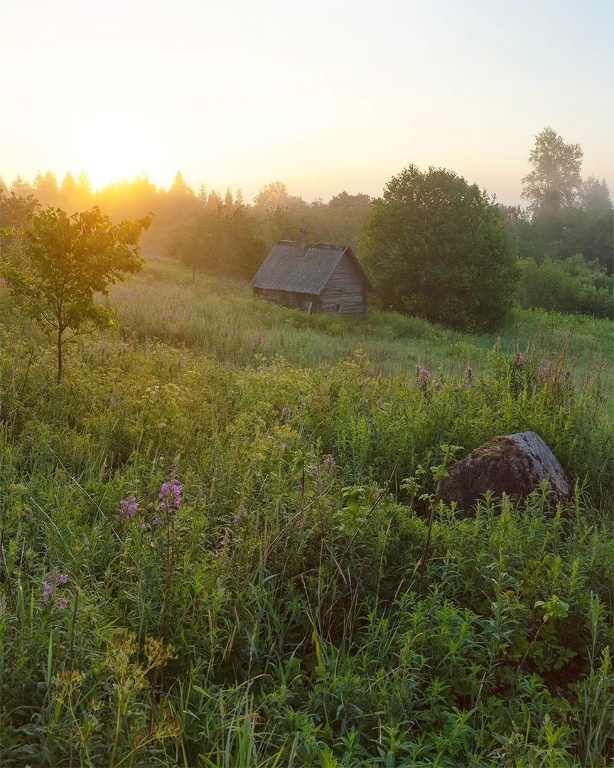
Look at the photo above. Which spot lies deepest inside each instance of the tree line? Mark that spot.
(208, 230)
(433, 244)
(564, 237)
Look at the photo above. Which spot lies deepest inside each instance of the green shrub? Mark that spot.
(572, 286)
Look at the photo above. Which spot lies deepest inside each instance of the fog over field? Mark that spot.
(324, 96)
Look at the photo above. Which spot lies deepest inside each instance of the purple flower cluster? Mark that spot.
(423, 376)
(520, 360)
(170, 496)
(224, 546)
(47, 591)
(241, 514)
(328, 463)
(49, 586)
(128, 507)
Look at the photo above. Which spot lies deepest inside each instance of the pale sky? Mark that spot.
(324, 95)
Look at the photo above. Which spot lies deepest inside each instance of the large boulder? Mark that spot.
(511, 464)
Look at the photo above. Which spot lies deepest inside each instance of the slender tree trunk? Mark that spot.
(59, 343)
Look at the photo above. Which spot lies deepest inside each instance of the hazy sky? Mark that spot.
(324, 95)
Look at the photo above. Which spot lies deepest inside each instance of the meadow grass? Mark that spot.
(222, 318)
(221, 545)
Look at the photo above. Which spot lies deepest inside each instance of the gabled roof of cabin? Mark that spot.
(303, 269)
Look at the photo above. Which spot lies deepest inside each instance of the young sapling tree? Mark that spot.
(65, 262)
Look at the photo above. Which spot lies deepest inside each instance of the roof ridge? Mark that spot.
(328, 246)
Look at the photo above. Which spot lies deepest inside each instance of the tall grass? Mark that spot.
(221, 318)
(307, 600)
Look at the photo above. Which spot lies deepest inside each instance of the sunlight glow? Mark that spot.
(118, 145)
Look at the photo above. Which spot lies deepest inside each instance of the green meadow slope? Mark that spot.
(221, 543)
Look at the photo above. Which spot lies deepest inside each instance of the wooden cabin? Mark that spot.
(313, 277)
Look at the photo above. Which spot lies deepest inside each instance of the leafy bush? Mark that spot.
(572, 286)
(437, 247)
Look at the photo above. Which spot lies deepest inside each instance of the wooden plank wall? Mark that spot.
(345, 293)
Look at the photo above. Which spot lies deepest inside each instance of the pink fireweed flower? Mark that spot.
(47, 592)
(328, 463)
(62, 604)
(128, 507)
(423, 376)
(223, 546)
(170, 496)
(61, 578)
(241, 514)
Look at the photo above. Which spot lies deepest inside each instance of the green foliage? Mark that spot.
(67, 260)
(304, 599)
(554, 182)
(15, 211)
(221, 238)
(572, 286)
(566, 216)
(437, 247)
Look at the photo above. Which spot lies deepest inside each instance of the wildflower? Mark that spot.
(546, 371)
(128, 507)
(223, 546)
(439, 385)
(422, 376)
(47, 592)
(468, 378)
(170, 496)
(62, 578)
(157, 521)
(328, 463)
(62, 604)
(241, 514)
(520, 359)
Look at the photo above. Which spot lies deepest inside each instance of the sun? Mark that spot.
(118, 145)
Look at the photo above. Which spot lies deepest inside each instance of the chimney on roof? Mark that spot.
(302, 243)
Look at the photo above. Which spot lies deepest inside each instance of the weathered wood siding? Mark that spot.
(304, 301)
(344, 293)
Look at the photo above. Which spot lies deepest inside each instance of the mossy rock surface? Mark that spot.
(510, 464)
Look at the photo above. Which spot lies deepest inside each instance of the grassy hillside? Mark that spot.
(216, 550)
(220, 318)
